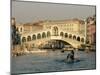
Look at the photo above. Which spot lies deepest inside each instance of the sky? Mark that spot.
(34, 11)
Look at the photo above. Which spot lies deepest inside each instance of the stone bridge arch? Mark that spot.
(34, 37)
(28, 38)
(73, 39)
(39, 36)
(44, 35)
(74, 43)
(66, 35)
(62, 34)
(23, 39)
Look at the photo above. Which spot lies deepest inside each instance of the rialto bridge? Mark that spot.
(43, 36)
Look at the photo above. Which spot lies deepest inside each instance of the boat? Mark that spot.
(72, 61)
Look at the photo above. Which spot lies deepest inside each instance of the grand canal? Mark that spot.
(52, 61)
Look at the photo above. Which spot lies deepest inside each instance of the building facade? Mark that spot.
(68, 30)
(73, 26)
(91, 29)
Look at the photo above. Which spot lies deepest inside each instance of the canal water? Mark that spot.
(52, 61)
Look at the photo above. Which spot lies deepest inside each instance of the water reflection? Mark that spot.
(51, 61)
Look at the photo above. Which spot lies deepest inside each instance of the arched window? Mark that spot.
(82, 39)
(43, 35)
(29, 38)
(23, 39)
(48, 34)
(74, 37)
(70, 36)
(78, 38)
(61, 34)
(39, 36)
(34, 37)
(55, 31)
(66, 35)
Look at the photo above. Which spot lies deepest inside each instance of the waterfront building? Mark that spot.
(38, 33)
(91, 29)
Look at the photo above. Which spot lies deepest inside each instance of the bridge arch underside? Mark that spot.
(55, 44)
(59, 43)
